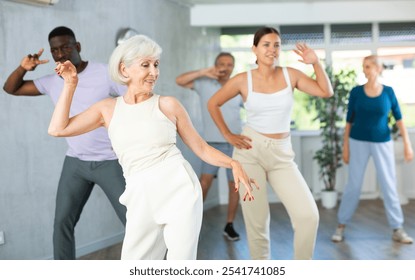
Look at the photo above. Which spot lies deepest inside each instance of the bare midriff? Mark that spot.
(277, 135)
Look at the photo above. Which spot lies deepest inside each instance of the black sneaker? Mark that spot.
(230, 233)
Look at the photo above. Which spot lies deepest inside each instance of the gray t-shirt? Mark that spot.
(206, 88)
(94, 84)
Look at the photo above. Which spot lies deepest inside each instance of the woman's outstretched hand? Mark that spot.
(308, 55)
(240, 176)
(67, 71)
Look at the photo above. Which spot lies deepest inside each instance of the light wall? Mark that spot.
(30, 159)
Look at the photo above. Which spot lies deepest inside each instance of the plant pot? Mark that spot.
(328, 199)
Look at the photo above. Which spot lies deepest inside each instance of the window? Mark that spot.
(310, 34)
(345, 48)
(350, 59)
(397, 32)
(351, 33)
(399, 73)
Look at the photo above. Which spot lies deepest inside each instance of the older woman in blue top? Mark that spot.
(366, 135)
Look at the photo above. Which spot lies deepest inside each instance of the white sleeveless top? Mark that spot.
(141, 134)
(269, 112)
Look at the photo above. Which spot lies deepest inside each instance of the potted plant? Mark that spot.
(330, 112)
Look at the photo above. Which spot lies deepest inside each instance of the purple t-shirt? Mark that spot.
(94, 84)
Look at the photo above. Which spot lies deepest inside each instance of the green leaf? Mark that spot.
(331, 114)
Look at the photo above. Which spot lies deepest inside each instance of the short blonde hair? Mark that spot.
(375, 60)
(138, 46)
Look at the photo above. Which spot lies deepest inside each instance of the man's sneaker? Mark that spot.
(399, 235)
(338, 235)
(230, 233)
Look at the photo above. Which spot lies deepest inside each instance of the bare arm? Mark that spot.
(186, 80)
(408, 152)
(346, 136)
(15, 84)
(321, 86)
(175, 112)
(61, 124)
(223, 95)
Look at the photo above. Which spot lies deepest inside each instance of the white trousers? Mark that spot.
(164, 212)
(272, 160)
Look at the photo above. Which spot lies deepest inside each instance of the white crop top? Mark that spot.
(141, 134)
(269, 112)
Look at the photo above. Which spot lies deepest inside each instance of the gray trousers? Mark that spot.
(384, 159)
(75, 186)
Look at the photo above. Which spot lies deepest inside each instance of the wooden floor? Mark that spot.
(368, 237)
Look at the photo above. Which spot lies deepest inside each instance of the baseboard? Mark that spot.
(99, 244)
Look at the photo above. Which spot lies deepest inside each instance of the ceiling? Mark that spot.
(216, 2)
(220, 13)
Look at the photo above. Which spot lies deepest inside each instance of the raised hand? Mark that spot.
(31, 61)
(67, 71)
(308, 55)
(214, 72)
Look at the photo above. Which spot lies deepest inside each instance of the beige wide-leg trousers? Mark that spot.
(272, 160)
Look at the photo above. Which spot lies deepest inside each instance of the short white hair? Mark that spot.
(138, 46)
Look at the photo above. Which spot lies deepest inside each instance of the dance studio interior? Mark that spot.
(191, 34)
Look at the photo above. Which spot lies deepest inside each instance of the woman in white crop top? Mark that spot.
(163, 194)
(264, 147)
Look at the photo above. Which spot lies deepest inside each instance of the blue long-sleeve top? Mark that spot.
(368, 116)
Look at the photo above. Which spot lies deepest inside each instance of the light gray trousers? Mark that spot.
(384, 159)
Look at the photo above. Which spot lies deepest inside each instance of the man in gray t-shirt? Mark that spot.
(206, 82)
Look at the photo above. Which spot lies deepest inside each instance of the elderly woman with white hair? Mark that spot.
(163, 194)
